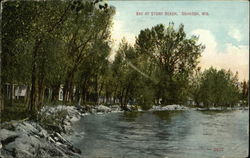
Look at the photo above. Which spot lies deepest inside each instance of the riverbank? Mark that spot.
(47, 137)
(181, 107)
(43, 138)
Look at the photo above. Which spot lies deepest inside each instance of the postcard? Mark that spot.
(95, 78)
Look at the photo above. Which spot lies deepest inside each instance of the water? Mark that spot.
(191, 134)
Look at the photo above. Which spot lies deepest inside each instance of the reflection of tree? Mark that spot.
(131, 116)
(214, 112)
(173, 125)
(166, 115)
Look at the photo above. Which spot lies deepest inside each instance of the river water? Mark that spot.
(170, 134)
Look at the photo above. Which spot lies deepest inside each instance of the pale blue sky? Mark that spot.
(226, 27)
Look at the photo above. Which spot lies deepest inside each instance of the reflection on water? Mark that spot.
(164, 134)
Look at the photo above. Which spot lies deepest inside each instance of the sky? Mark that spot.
(223, 28)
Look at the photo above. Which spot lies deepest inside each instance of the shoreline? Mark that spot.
(50, 139)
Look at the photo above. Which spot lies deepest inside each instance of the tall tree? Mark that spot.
(85, 28)
(176, 57)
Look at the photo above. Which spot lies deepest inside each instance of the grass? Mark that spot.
(16, 111)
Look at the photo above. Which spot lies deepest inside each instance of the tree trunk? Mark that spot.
(40, 80)
(1, 104)
(77, 95)
(41, 89)
(84, 95)
(70, 93)
(55, 93)
(33, 93)
(100, 91)
(126, 98)
(122, 98)
(107, 96)
(115, 93)
(67, 88)
(1, 84)
(27, 95)
(11, 94)
(96, 90)
(1, 99)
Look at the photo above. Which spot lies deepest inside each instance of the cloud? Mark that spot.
(235, 58)
(235, 33)
(117, 34)
(206, 37)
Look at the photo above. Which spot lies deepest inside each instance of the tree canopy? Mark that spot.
(51, 45)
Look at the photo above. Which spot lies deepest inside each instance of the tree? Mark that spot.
(16, 25)
(176, 57)
(121, 73)
(195, 84)
(92, 71)
(244, 92)
(50, 21)
(49, 41)
(218, 88)
(84, 29)
(130, 73)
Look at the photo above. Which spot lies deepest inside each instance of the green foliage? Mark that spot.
(18, 109)
(218, 88)
(48, 44)
(175, 57)
(145, 97)
(55, 119)
(53, 43)
(244, 92)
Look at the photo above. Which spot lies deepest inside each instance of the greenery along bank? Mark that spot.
(51, 45)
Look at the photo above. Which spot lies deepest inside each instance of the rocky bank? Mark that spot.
(43, 138)
(47, 137)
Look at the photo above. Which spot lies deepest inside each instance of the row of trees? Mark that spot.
(46, 44)
(52, 43)
(144, 78)
(218, 88)
(158, 66)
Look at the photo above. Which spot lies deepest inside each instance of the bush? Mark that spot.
(52, 121)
